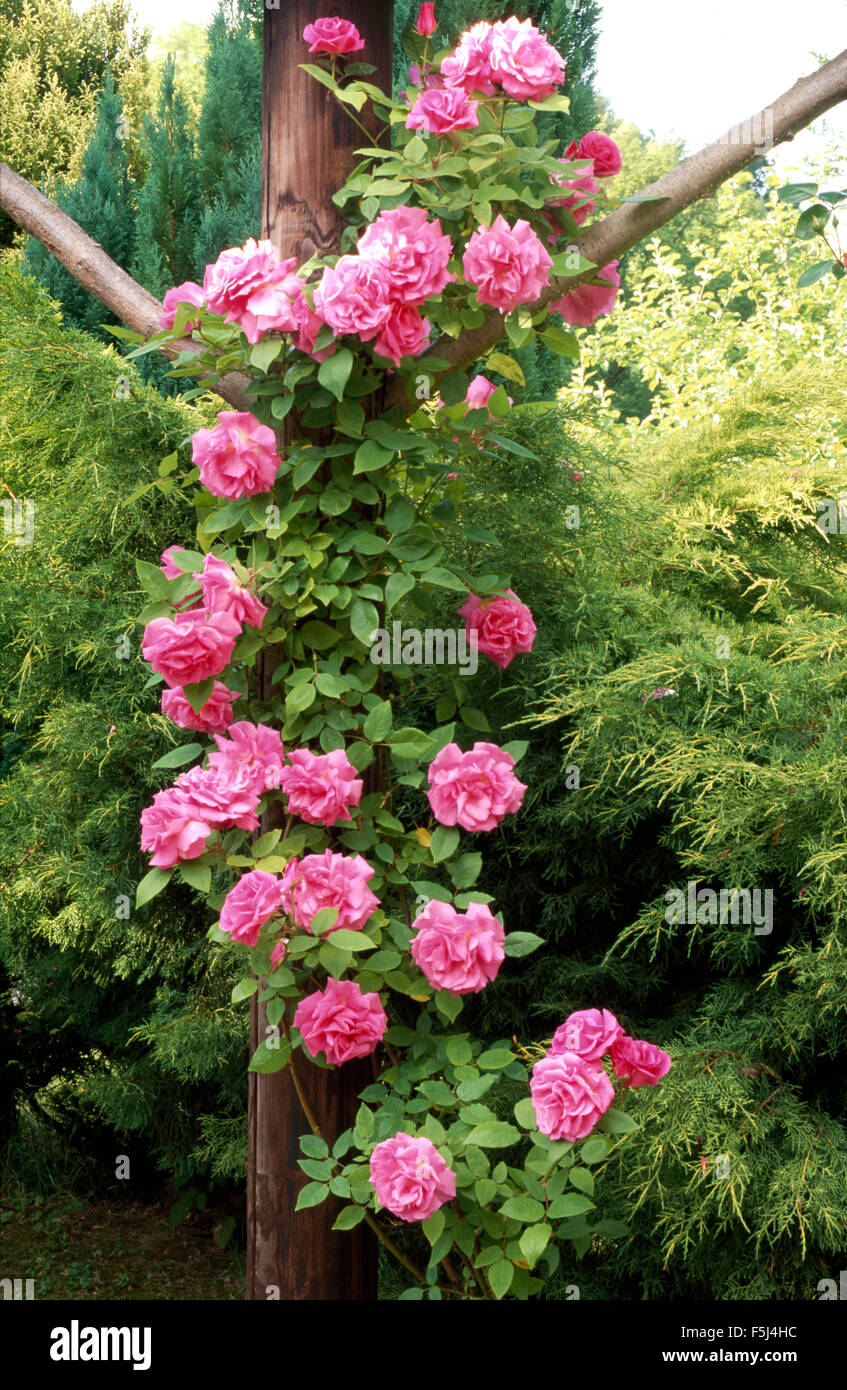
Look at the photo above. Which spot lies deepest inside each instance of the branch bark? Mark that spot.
(694, 178)
(88, 263)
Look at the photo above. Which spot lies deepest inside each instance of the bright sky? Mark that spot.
(672, 66)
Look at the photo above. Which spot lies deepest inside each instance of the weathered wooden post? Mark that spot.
(308, 145)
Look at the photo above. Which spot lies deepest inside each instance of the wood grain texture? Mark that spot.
(307, 151)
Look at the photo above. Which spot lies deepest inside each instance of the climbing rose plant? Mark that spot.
(358, 915)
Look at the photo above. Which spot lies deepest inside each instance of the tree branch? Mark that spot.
(694, 178)
(88, 263)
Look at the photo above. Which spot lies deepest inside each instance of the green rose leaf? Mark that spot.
(151, 884)
(334, 372)
(521, 943)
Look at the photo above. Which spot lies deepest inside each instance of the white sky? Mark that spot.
(678, 68)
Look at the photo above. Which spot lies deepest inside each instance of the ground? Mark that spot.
(75, 1249)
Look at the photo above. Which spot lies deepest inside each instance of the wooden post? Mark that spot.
(308, 145)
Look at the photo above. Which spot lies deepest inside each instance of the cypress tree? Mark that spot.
(167, 220)
(102, 201)
(230, 119)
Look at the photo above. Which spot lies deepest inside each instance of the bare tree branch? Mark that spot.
(694, 178)
(88, 263)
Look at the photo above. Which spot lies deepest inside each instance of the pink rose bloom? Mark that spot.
(172, 830)
(426, 21)
(222, 593)
(587, 303)
(414, 251)
(404, 334)
(459, 952)
(216, 800)
(589, 1033)
(601, 148)
(329, 880)
(341, 1021)
(523, 62)
(410, 1178)
(579, 204)
(643, 1062)
(278, 952)
(333, 36)
(474, 790)
(507, 264)
(480, 392)
(252, 902)
(354, 296)
(249, 756)
(569, 1095)
(182, 817)
(468, 66)
(191, 647)
(215, 716)
(503, 626)
(440, 111)
(425, 79)
(167, 566)
(189, 293)
(320, 786)
(238, 457)
(309, 326)
(250, 286)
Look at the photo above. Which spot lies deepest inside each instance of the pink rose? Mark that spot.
(249, 757)
(503, 626)
(426, 21)
(523, 62)
(329, 880)
(341, 1021)
(191, 647)
(459, 952)
(410, 1178)
(589, 1033)
(479, 393)
(642, 1062)
(404, 334)
(172, 830)
(587, 303)
(252, 902)
(250, 286)
(222, 593)
(474, 790)
(468, 66)
(215, 716)
(354, 296)
(507, 264)
(579, 203)
(181, 818)
(569, 1095)
(216, 800)
(278, 952)
(414, 251)
(601, 148)
(438, 111)
(320, 786)
(333, 36)
(310, 325)
(189, 293)
(238, 457)
(167, 566)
